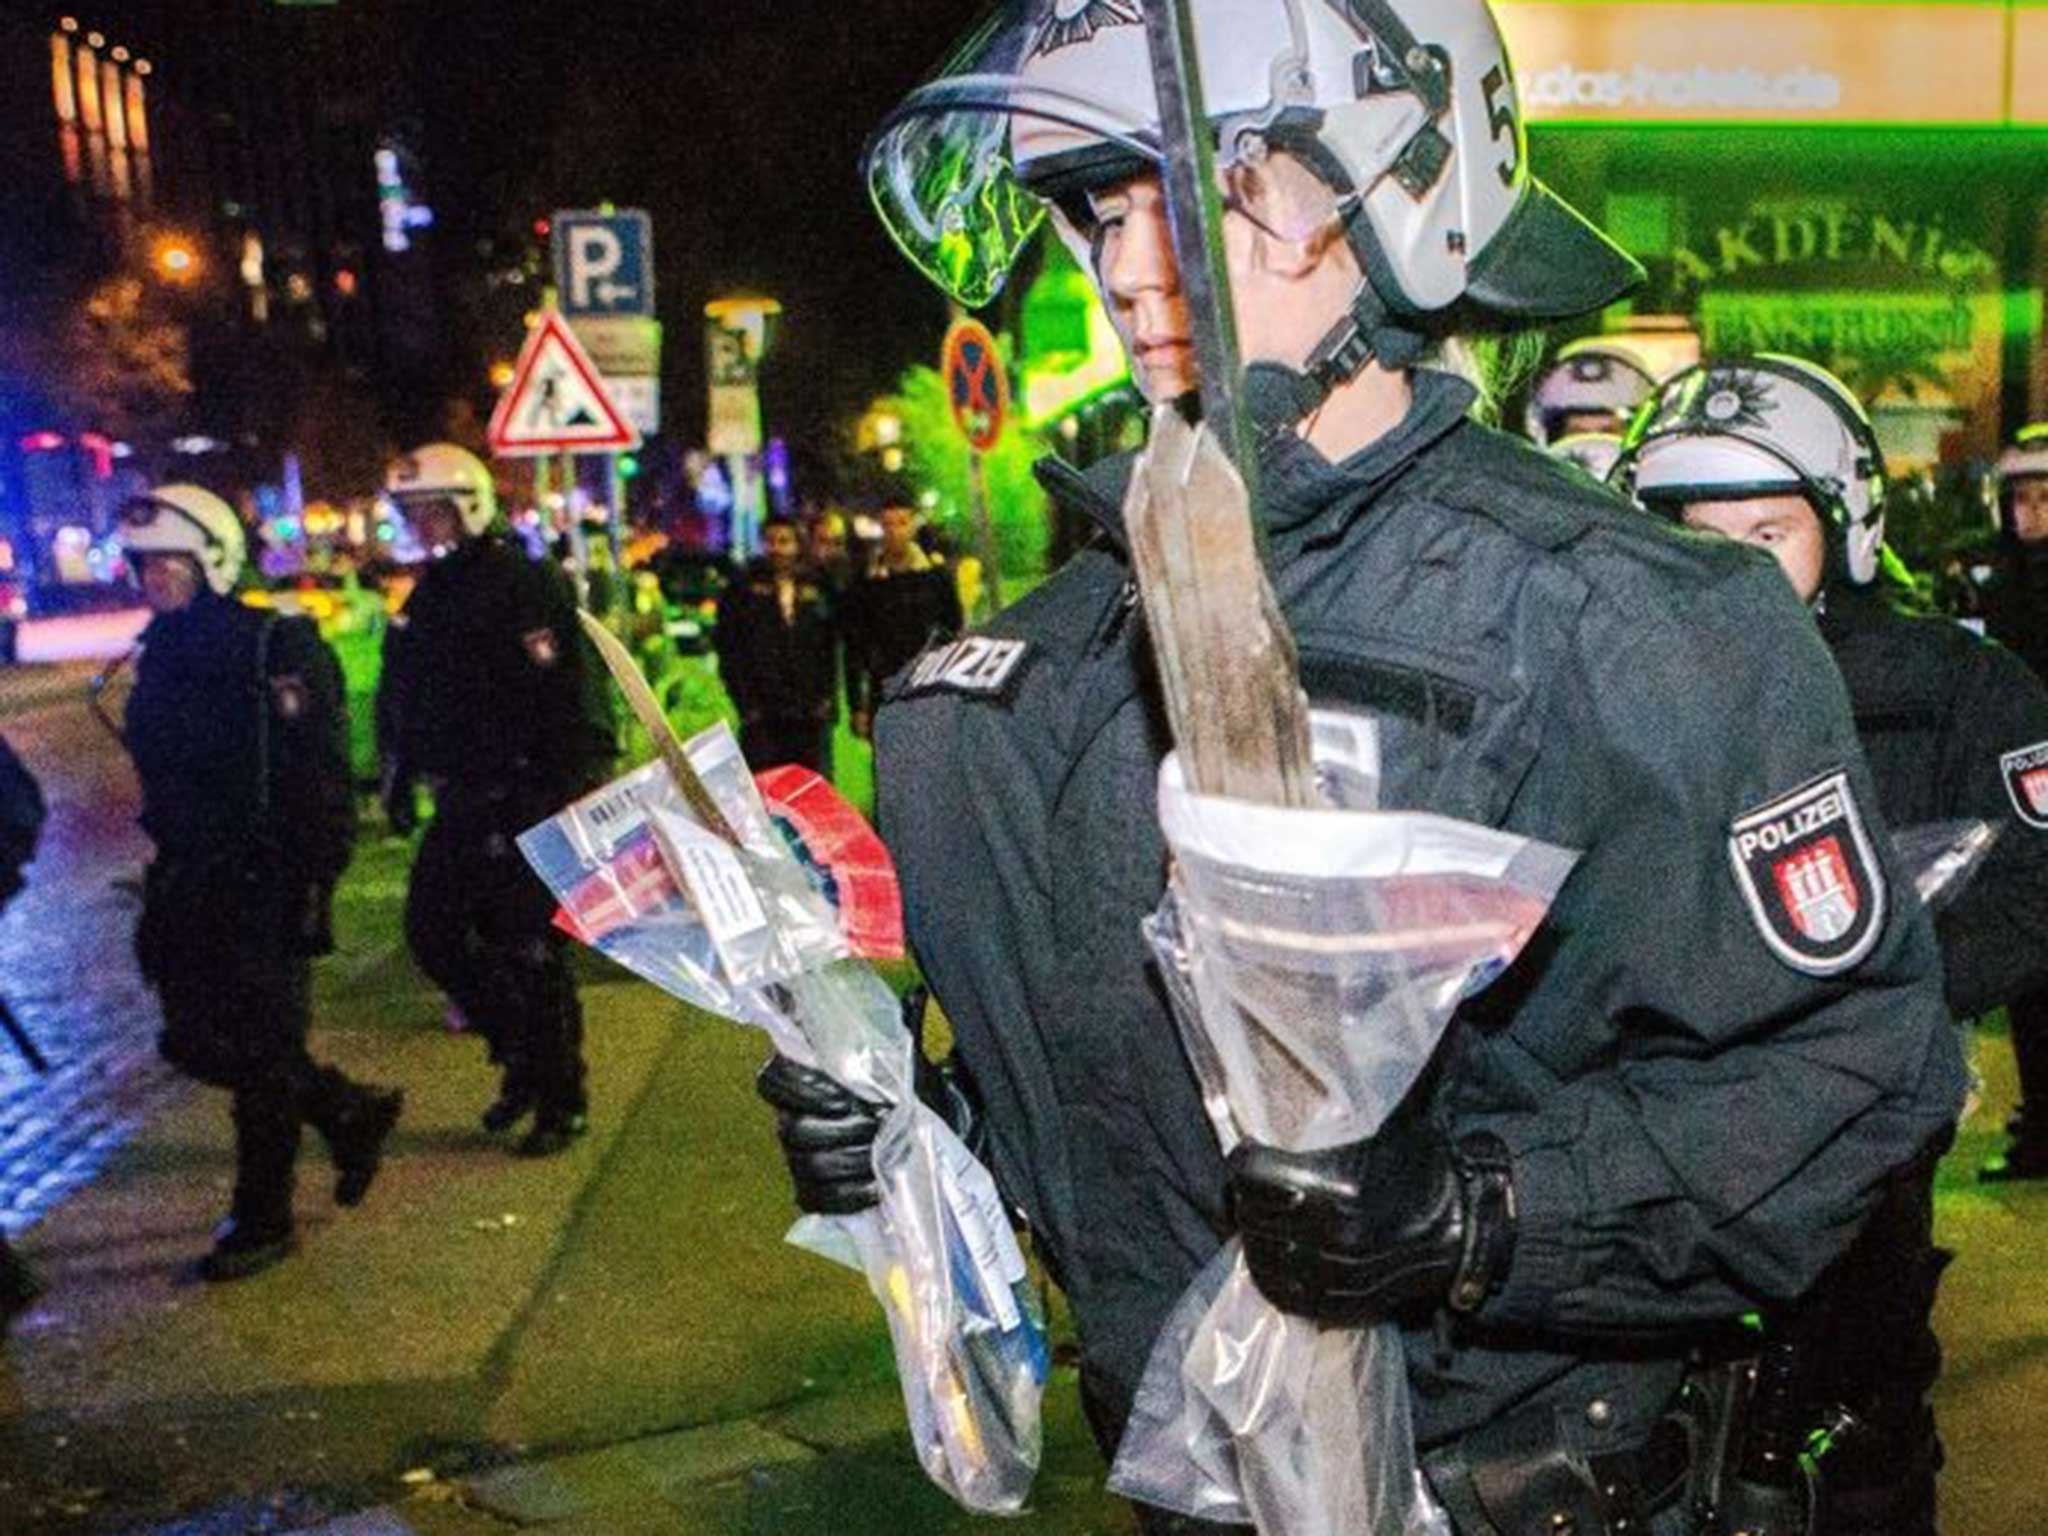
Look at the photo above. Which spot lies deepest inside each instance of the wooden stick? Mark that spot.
(647, 710)
(1226, 660)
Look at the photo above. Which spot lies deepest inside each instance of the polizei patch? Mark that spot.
(976, 664)
(1807, 871)
(2026, 780)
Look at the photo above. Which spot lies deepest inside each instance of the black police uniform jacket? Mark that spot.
(1956, 728)
(238, 726)
(777, 668)
(1697, 1125)
(2016, 603)
(489, 682)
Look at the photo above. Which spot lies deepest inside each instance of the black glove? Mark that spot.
(828, 1132)
(1382, 1227)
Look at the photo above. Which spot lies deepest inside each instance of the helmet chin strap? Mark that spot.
(1279, 398)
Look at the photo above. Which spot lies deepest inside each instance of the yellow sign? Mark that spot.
(1665, 61)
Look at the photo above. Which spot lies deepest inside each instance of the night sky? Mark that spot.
(737, 124)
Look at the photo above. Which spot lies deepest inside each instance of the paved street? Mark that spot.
(615, 1342)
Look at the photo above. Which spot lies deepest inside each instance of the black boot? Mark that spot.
(512, 1105)
(553, 1131)
(2024, 1157)
(241, 1250)
(357, 1144)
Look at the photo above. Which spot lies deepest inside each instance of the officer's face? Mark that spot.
(2030, 508)
(1291, 272)
(1785, 526)
(169, 582)
(1576, 422)
(435, 521)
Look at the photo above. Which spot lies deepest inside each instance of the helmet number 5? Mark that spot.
(1500, 116)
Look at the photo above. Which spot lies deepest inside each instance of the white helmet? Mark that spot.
(1759, 426)
(1588, 377)
(187, 520)
(1594, 452)
(444, 472)
(1404, 110)
(2025, 459)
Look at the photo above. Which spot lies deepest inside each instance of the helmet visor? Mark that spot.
(1051, 99)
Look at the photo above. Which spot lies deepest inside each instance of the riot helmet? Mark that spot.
(1592, 386)
(444, 472)
(187, 520)
(2022, 470)
(1403, 111)
(1764, 425)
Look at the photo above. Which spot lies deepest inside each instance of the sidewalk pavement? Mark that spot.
(632, 1300)
(616, 1341)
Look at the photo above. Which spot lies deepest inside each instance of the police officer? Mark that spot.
(1678, 1105)
(777, 640)
(1591, 387)
(2016, 614)
(489, 694)
(239, 733)
(1776, 453)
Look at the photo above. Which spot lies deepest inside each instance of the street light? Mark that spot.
(174, 259)
(735, 337)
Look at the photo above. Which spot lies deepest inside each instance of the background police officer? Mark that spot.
(490, 694)
(1776, 453)
(240, 739)
(1584, 1183)
(2016, 614)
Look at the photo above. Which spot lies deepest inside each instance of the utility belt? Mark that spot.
(1718, 1463)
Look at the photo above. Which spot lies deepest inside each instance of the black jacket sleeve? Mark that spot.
(312, 797)
(1994, 937)
(1721, 1118)
(563, 682)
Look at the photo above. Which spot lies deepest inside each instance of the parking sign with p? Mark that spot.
(604, 262)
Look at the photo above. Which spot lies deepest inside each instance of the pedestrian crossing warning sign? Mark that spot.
(557, 402)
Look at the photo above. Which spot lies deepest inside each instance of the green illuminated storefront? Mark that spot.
(1864, 184)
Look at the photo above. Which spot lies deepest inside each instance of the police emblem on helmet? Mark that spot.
(2026, 781)
(1808, 875)
(1076, 21)
(1728, 400)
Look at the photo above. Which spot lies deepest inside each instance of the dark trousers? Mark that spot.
(2028, 1017)
(769, 741)
(481, 925)
(1877, 1355)
(238, 1021)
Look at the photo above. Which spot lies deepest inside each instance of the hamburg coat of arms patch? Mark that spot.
(2026, 780)
(1810, 876)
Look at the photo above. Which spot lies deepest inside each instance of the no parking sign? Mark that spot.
(977, 388)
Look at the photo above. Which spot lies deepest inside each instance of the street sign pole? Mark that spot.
(991, 572)
(615, 536)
